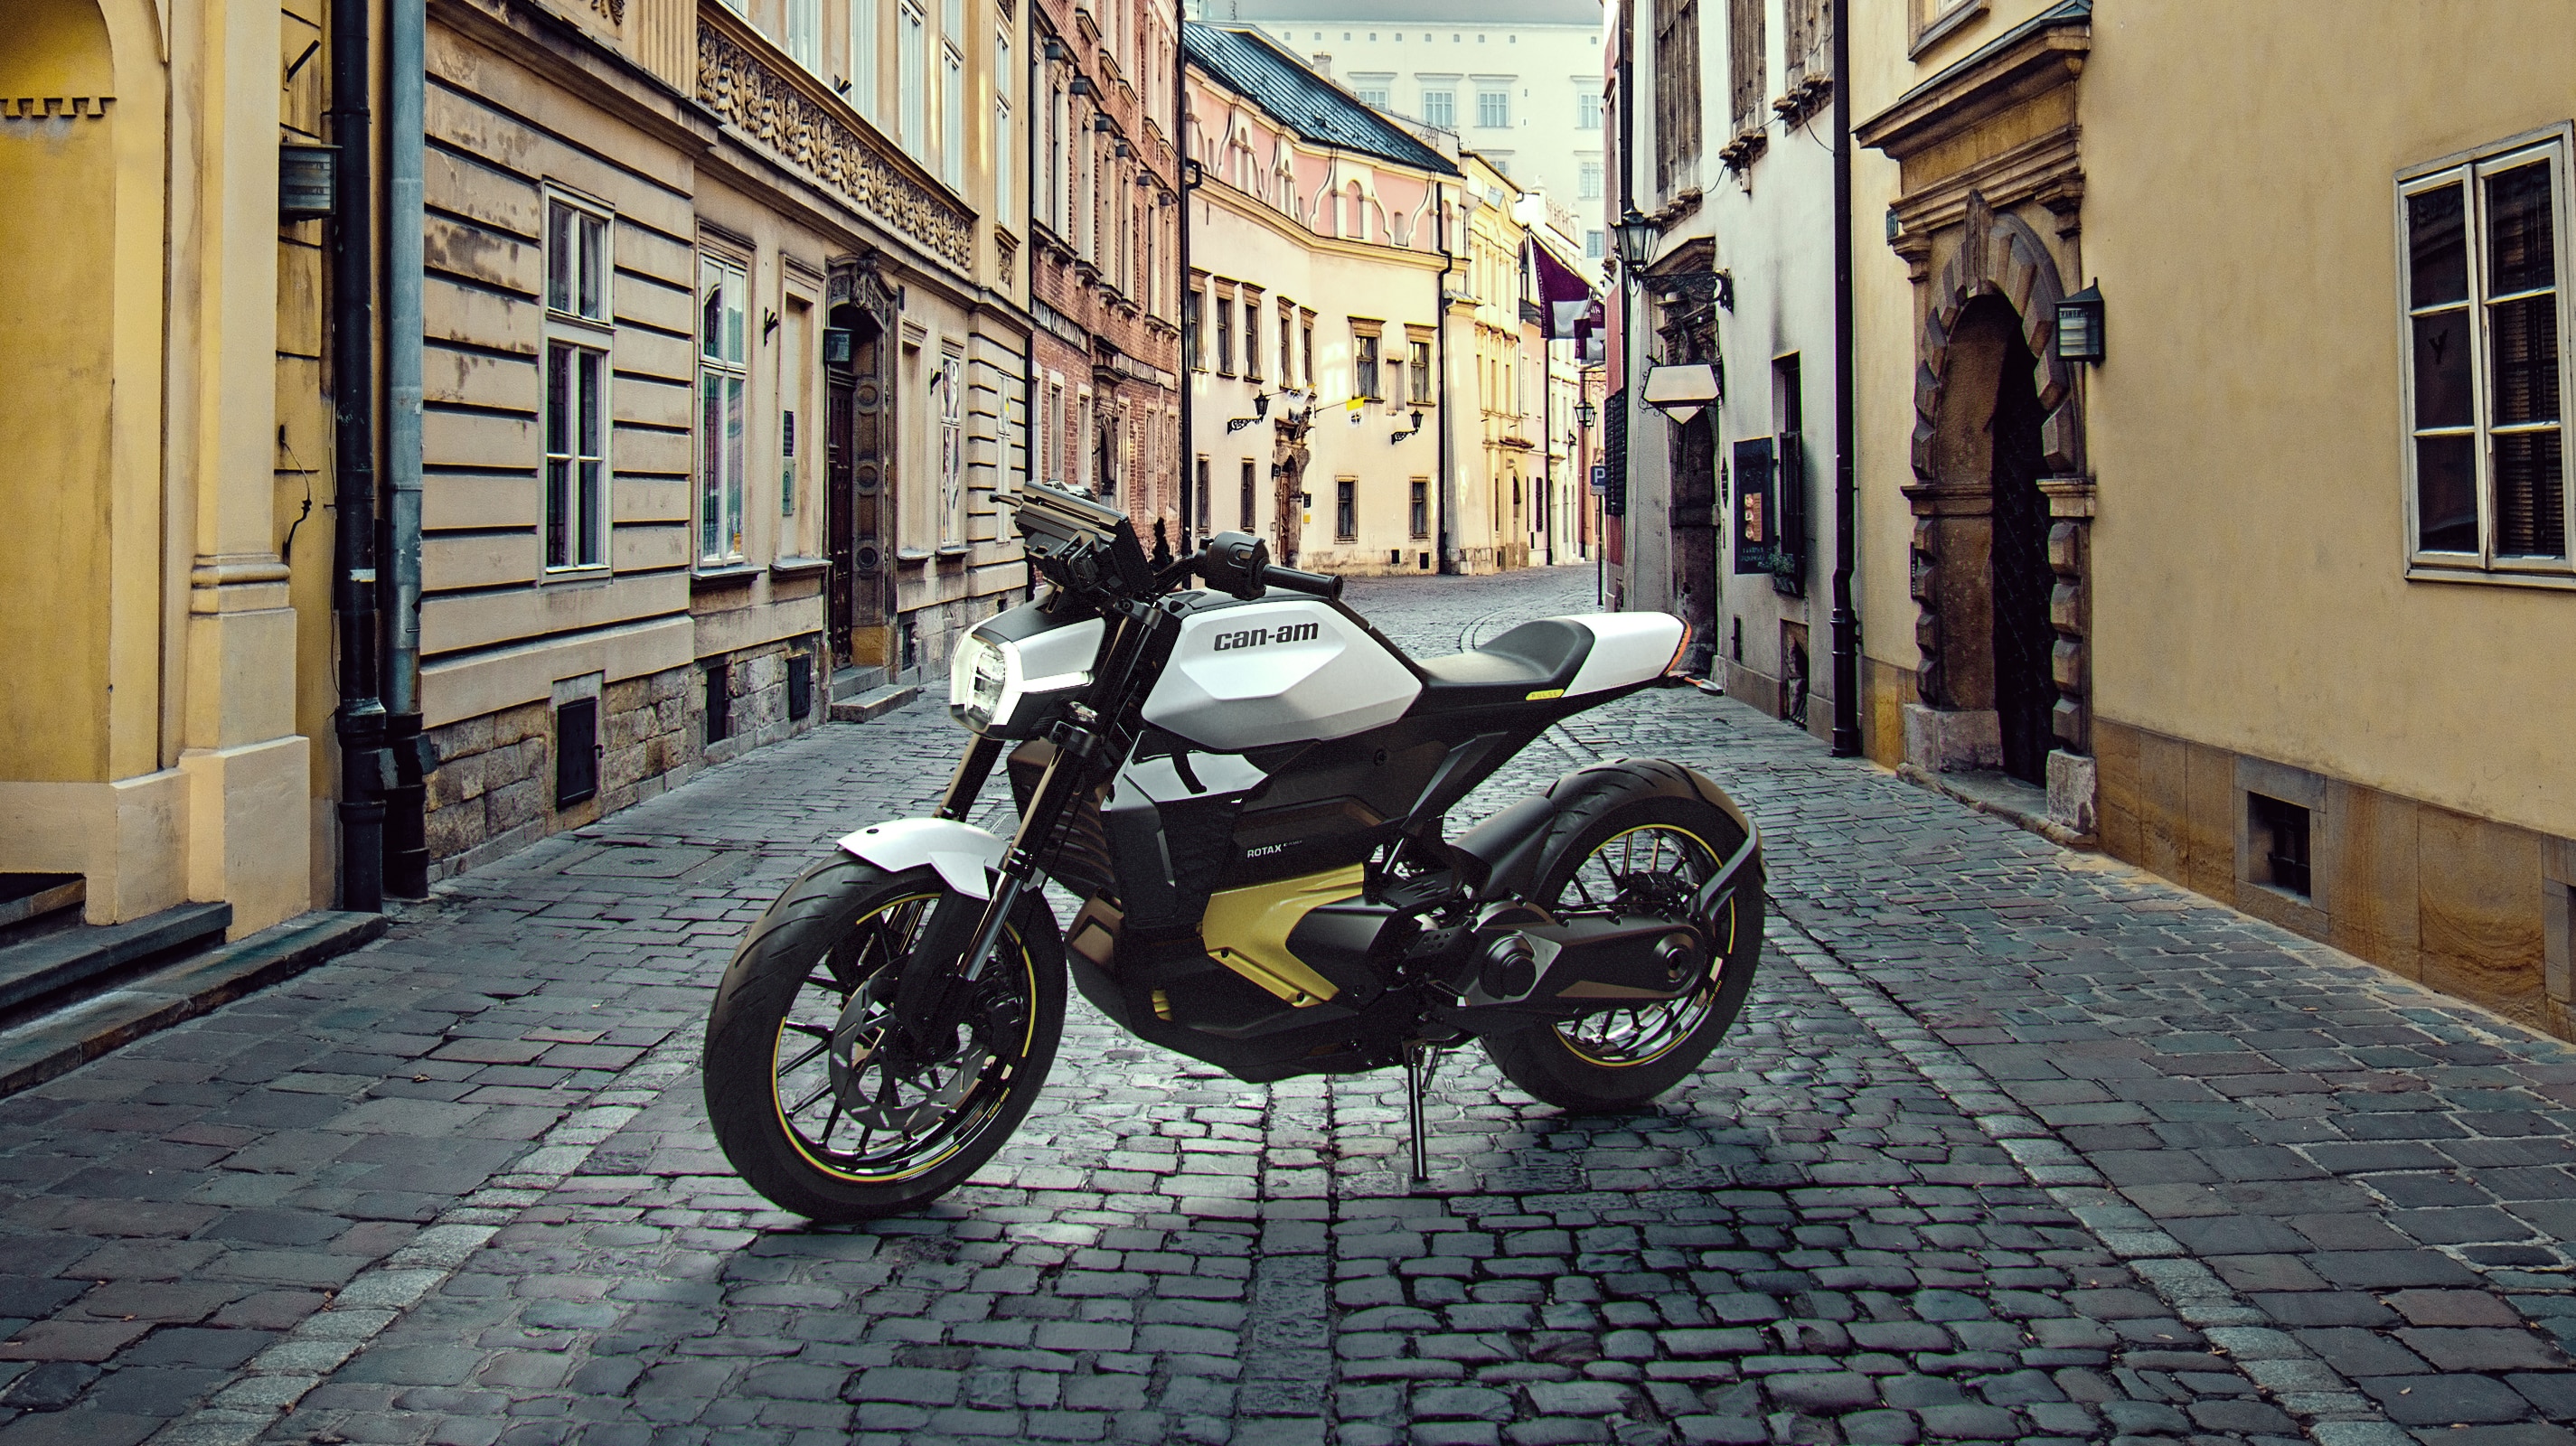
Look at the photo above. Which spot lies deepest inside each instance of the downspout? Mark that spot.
(1626, 390)
(1030, 96)
(1846, 501)
(406, 803)
(1181, 172)
(365, 769)
(1440, 338)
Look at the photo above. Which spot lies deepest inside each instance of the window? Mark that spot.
(1206, 513)
(1364, 378)
(1593, 247)
(805, 33)
(576, 382)
(1587, 110)
(1287, 336)
(2278, 833)
(1440, 107)
(862, 94)
(576, 455)
(1676, 91)
(1053, 202)
(952, 447)
(1252, 338)
(723, 352)
(1420, 390)
(1418, 508)
(1225, 336)
(1306, 324)
(1005, 160)
(952, 116)
(2486, 314)
(1744, 59)
(1493, 109)
(912, 57)
(1346, 509)
(1588, 186)
(1373, 95)
(1247, 495)
(1191, 342)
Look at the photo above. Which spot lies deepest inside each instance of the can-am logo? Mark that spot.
(1261, 637)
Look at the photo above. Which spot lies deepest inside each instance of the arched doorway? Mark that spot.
(861, 427)
(1986, 460)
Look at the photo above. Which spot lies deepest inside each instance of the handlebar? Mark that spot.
(1313, 584)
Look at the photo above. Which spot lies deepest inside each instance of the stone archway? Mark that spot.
(1998, 272)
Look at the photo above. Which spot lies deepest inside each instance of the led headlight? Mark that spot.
(982, 682)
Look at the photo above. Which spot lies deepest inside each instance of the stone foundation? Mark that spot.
(494, 791)
(1948, 740)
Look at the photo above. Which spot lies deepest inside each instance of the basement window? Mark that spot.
(719, 701)
(576, 751)
(800, 684)
(2277, 834)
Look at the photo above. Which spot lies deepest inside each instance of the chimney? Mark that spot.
(1324, 65)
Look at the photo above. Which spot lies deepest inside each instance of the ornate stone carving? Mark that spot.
(768, 107)
(613, 11)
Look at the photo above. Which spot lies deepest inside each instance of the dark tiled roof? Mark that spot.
(1305, 102)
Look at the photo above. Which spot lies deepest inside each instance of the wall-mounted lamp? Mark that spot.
(1417, 427)
(1636, 235)
(2079, 326)
(1585, 414)
(768, 324)
(307, 176)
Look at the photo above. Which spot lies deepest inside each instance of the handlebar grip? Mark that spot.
(1313, 584)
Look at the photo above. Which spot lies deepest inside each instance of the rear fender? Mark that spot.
(1511, 846)
(961, 852)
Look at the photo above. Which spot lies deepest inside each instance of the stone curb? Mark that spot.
(2297, 1380)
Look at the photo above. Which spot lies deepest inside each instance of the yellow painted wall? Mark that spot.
(2250, 551)
(57, 228)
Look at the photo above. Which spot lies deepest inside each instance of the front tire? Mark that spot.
(1617, 848)
(840, 1140)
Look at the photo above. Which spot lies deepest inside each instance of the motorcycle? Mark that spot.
(1245, 784)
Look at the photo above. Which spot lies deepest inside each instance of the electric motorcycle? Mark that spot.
(1245, 785)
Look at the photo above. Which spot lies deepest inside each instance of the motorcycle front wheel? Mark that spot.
(871, 1129)
(1638, 855)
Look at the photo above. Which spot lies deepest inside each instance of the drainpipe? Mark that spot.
(407, 802)
(1440, 339)
(1846, 504)
(365, 768)
(1181, 171)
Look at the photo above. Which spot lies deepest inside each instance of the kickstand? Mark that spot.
(1420, 1060)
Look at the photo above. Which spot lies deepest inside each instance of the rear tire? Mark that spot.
(1620, 1060)
(796, 1133)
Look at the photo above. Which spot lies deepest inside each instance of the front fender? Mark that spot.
(960, 851)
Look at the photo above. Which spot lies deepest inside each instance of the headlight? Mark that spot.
(980, 682)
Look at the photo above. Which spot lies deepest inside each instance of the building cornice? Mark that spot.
(2039, 55)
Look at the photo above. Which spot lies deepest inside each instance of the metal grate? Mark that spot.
(719, 701)
(800, 684)
(2280, 831)
(576, 751)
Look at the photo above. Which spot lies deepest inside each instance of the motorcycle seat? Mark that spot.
(1535, 657)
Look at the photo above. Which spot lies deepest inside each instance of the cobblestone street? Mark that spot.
(2011, 1144)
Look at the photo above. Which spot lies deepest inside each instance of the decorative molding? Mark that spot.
(54, 107)
(752, 97)
(613, 11)
(2037, 56)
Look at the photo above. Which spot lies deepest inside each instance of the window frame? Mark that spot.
(2554, 147)
(1447, 109)
(577, 331)
(951, 420)
(912, 81)
(1494, 101)
(866, 22)
(730, 490)
(1346, 509)
(1368, 381)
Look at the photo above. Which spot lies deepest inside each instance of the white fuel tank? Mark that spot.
(1276, 671)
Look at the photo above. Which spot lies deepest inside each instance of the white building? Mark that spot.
(1519, 81)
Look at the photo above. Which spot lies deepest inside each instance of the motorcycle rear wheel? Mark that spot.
(874, 1135)
(1639, 855)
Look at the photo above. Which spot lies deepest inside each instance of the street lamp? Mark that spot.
(1636, 234)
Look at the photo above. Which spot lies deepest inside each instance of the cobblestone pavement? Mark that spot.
(2011, 1144)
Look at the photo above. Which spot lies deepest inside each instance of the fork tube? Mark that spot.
(1019, 862)
(968, 781)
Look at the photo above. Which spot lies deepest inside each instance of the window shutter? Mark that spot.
(1789, 569)
(1614, 454)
